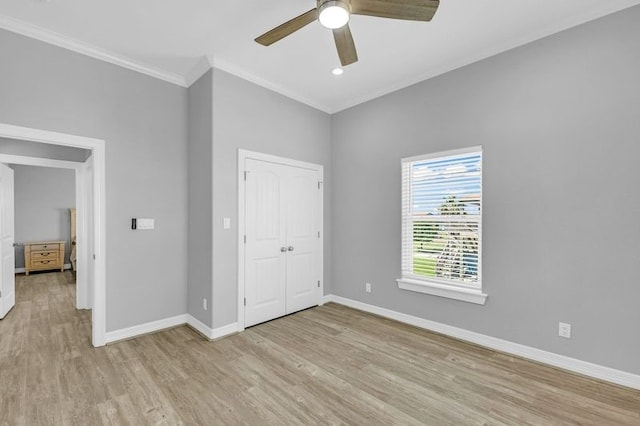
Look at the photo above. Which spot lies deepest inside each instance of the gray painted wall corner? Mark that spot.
(200, 175)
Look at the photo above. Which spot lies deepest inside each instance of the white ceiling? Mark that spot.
(168, 39)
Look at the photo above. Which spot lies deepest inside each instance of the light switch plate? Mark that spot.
(145, 223)
(226, 223)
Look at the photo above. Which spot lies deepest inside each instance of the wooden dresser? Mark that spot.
(43, 255)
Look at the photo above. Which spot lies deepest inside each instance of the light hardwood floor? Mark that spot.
(327, 365)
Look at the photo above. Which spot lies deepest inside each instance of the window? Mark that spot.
(442, 224)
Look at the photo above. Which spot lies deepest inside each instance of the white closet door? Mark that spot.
(7, 253)
(302, 239)
(282, 243)
(265, 262)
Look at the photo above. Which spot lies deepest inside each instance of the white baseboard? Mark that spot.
(149, 327)
(199, 326)
(225, 330)
(22, 270)
(211, 333)
(575, 365)
(153, 326)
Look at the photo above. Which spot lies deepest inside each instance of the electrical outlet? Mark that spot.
(204, 304)
(367, 287)
(564, 330)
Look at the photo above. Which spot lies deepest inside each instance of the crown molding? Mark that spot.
(60, 40)
(199, 69)
(240, 73)
(553, 28)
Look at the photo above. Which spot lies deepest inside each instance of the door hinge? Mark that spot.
(319, 184)
(245, 175)
(94, 256)
(0, 293)
(318, 234)
(318, 283)
(245, 239)
(245, 301)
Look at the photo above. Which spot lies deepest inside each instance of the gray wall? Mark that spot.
(558, 120)
(250, 117)
(200, 280)
(144, 123)
(43, 197)
(34, 149)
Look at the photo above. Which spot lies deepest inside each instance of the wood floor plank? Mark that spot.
(326, 365)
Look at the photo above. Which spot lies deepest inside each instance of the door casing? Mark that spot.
(97, 147)
(243, 155)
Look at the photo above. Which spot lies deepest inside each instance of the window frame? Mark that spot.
(471, 293)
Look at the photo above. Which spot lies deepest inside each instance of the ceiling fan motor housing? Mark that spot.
(333, 14)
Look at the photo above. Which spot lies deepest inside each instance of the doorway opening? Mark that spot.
(90, 214)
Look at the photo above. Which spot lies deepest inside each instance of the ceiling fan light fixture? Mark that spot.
(334, 14)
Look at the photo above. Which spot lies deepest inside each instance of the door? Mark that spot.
(302, 239)
(7, 253)
(265, 260)
(281, 249)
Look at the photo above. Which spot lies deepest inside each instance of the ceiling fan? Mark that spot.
(335, 14)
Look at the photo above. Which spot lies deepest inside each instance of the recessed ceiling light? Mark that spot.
(337, 71)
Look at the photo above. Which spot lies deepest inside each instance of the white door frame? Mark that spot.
(97, 146)
(242, 156)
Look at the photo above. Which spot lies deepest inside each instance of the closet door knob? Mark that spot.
(283, 249)
(290, 248)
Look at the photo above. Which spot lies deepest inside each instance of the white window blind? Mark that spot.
(442, 217)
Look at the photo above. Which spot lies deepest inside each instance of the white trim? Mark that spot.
(571, 364)
(199, 326)
(98, 313)
(243, 155)
(327, 298)
(240, 73)
(464, 294)
(25, 160)
(69, 43)
(163, 324)
(444, 155)
(199, 69)
(83, 278)
(225, 330)
(146, 328)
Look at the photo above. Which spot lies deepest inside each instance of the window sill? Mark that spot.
(442, 290)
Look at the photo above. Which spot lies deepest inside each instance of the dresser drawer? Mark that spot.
(44, 255)
(45, 264)
(44, 247)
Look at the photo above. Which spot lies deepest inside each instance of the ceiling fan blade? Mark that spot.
(411, 10)
(345, 45)
(289, 27)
